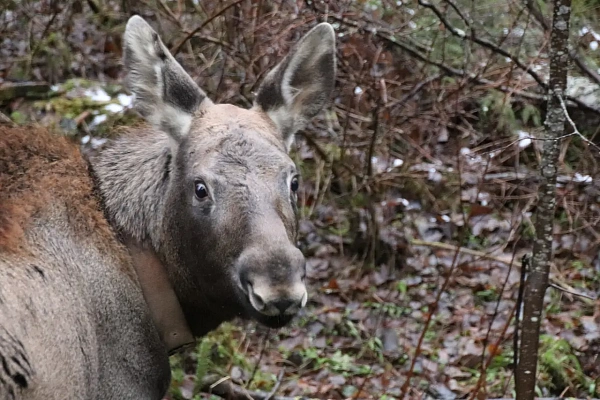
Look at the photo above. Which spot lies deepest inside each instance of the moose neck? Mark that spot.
(160, 297)
(133, 177)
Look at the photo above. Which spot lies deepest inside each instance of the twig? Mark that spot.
(451, 71)
(575, 130)
(459, 72)
(498, 50)
(260, 356)
(525, 262)
(593, 75)
(484, 43)
(276, 385)
(431, 312)
(5, 120)
(537, 14)
(414, 91)
(457, 9)
(42, 37)
(464, 250)
(223, 387)
(494, 349)
(570, 291)
(178, 46)
(490, 358)
(446, 246)
(31, 90)
(172, 16)
(325, 156)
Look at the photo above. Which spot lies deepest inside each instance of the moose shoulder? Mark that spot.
(109, 264)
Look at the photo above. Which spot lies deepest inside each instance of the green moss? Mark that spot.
(69, 108)
(75, 83)
(18, 117)
(340, 362)
(559, 366)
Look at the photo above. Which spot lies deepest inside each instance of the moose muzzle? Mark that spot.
(273, 281)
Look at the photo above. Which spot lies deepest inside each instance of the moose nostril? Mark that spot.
(283, 305)
(256, 301)
(304, 299)
(245, 283)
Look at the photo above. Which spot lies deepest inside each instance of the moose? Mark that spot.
(110, 263)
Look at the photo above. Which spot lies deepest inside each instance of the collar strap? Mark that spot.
(161, 298)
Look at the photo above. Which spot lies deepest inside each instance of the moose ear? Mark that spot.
(165, 94)
(298, 88)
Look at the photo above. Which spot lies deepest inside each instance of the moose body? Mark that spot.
(109, 264)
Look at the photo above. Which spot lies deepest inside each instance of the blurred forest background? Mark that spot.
(419, 182)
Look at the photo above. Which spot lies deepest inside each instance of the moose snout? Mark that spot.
(273, 301)
(274, 283)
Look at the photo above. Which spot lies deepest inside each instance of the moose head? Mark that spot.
(210, 188)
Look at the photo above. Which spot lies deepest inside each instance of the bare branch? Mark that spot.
(457, 9)
(483, 43)
(586, 69)
(178, 46)
(451, 71)
(562, 289)
(223, 387)
(575, 130)
(537, 14)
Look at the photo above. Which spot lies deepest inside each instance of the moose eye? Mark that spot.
(294, 184)
(200, 190)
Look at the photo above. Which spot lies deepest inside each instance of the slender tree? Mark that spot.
(537, 280)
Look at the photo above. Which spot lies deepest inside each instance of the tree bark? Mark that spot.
(537, 281)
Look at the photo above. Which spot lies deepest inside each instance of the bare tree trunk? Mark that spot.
(537, 280)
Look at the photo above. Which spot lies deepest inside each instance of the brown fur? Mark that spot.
(55, 172)
(63, 272)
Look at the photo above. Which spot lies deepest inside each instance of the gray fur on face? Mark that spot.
(204, 194)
